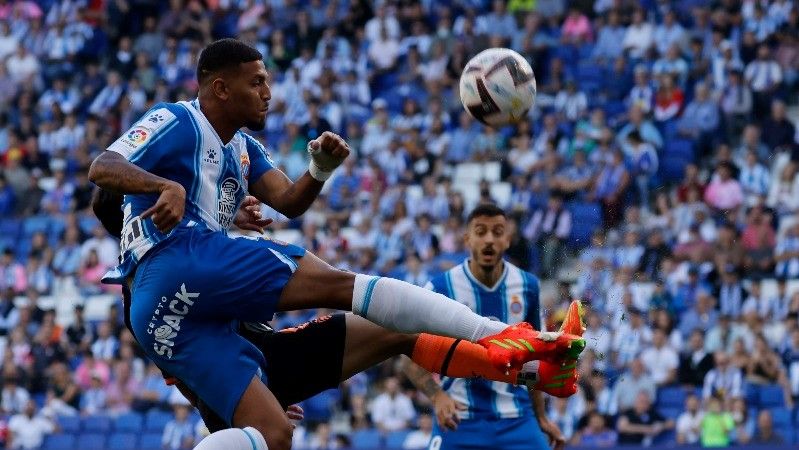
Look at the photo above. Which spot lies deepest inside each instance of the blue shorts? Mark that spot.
(522, 433)
(189, 293)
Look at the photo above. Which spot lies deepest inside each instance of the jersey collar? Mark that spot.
(474, 279)
(196, 105)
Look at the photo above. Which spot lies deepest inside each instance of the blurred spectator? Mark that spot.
(596, 433)
(723, 380)
(14, 397)
(764, 76)
(392, 410)
(641, 424)
(765, 430)
(420, 438)
(639, 37)
(27, 429)
(716, 425)
(778, 132)
(632, 383)
(179, 432)
(689, 423)
(94, 400)
(548, 229)
(660, 359)
(695, 361)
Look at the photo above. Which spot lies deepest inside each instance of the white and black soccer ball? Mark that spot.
(497, 87)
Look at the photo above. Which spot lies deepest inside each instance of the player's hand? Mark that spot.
(556, 439)
(248, 217)
(295, 412)
(328, 151)
(447, 410)
(168, 210)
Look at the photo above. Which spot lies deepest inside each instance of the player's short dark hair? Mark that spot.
(225, 54)
(486, 210)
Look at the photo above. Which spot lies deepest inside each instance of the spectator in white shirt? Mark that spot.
(420, 438)
(786, 253)
(669, 33)
(640, 36)
(571, 103)
(107, 249)
(382, 20)
(14, 396)
(631, 337)
(689, 423)
(106, 345)
(764, 76)
(27, 430)
(384, 51)
(178, 432)
(660, 359)
(630, 384)
(22, 65)
(498, 22)
(392, 410)
(754, 178)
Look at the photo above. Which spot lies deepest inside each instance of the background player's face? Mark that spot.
(487, 238)
(250, 95)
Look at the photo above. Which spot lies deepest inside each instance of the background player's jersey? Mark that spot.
(514, 299)
(176, 141)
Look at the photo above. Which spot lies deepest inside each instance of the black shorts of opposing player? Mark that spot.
(301, 361)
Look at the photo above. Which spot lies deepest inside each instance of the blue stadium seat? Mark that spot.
(586, 217)
(87, 224)
(96, 424)
(122, 441)
(69, 424)
(781, 418)
(395, 439)
(771, 397)
(318, 407)
(150, 441)
(91, 441)
(681, 147)
(130, 422)
(752, 395)
(10, 228)
(156, 420)
(59, 442)
(666, 438)
(36, 224)
(672, 168)
(367, 439)
(671, 397)
(670, 413)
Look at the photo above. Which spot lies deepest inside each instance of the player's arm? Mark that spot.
(107, 206)
(292, 199)
(112, 172)
(445, 407)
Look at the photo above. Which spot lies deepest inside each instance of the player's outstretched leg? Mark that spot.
(406, 308)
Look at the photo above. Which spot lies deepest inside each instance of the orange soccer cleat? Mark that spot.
(520, 343)
(556, 379)
(573, 323)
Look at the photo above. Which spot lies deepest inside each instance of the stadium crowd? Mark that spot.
(657, 178)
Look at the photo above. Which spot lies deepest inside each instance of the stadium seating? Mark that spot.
(122, 441)
(69, 424)
(367, 439)
(155, 420)
(91, 441)
(59, 442)
(771, 396)
(150, 441)
(96, 424)
(396, 439)
(130, 422)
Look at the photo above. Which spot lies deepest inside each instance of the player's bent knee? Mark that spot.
(234, 439)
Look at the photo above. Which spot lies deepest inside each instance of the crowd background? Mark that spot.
(656, 178)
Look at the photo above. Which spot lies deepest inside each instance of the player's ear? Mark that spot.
(220, 88)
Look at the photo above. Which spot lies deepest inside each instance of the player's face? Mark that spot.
(250, 95)
(487, 238)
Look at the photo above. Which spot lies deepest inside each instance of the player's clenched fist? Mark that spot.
(327, 152)
(168, 210)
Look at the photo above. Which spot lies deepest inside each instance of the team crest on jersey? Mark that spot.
(245, 166)
(516, 304)
(227, 202)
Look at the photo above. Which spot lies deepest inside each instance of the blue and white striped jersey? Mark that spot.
(512, 300)
(176, 141)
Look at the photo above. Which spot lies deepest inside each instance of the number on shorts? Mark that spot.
(435, 443)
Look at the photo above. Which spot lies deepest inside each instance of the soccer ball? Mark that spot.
(497, 87)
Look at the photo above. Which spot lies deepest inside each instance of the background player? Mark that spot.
(185, 168)
(492, 414)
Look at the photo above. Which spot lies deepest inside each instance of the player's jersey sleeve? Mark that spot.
(147, 141)
(532, 291)
(260, 162)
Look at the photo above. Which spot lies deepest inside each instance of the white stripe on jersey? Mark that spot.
(513, 290)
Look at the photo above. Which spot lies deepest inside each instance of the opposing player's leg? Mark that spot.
(406, 308)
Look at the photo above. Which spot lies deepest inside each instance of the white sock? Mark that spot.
(234, 439)
(406, 308)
